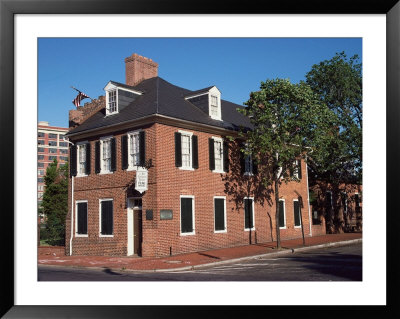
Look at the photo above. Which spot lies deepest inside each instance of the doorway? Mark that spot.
(134, 227)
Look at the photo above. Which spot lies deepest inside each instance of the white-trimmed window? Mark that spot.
(111, 102)
(81, 218)
(106, 212)
(105, 155)
(218, 154)
(248, 165)
(81, 148)
(219, 214)
(214, 106)
(186, 142)
(133, 149)
(187, 215)
(282, 214)
(296, 213)
(249, 213)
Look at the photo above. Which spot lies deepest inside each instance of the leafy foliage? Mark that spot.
(55, 202)
(338, 84)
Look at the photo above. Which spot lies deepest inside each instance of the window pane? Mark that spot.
(248, 213)
(219, 214)
(107, 217)
(296, 207)
(218, 155)
(185, 139)
(281, 213)
(82, 218)
(186, 215)
(134, 149)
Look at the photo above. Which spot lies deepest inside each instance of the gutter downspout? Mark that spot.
(308, 200)
(72, 206)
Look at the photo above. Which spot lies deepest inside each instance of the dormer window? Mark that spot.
(214, 106)
(118, 96)
(112, 102)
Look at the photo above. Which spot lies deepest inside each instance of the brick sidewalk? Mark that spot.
(55, 255)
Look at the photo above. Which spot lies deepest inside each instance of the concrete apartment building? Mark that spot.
(50, 146)
(198, 190)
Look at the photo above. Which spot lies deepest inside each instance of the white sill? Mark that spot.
(134, 168)
(248, 229)
(297, 226)
(81, 235)
(220, 231)
(248, 174)
(186, 168)
(81, 175)
(105, 173)
(188, 234)
(105, 236)
(284, 227)
(113, 113)
(219, 172)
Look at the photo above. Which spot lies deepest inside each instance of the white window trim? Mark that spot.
(254, 221)
(134, 167)
(296, 200)
(226, 226)
(102, 200)
(190, 167)
(76, 218)
(193, 215)
(77, 158)
(215, 92)
(111, 89)
(219, 139)
(284, 212)
(295, 169)
(102, 139)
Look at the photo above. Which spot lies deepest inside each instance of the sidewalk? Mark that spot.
(55, 255)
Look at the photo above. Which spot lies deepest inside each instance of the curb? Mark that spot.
(215, 263)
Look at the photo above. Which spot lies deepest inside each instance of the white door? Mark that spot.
(130, 227)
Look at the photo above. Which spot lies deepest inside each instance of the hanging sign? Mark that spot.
(141, 179)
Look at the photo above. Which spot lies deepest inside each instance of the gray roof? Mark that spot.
(164, 98)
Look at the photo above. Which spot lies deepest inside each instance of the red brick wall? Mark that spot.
(166, 184)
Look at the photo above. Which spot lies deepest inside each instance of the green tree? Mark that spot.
(55, 202)
(338, 84)
(286, 120)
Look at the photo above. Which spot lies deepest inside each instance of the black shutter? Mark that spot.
(255, 166)
(88, 159)
(299, 168)
(142, 149)
(186, 215)
(113, 155)
(195, 152)
(82, 218)
(281, 213)
(296, 207)
(242, 162)
(97, 157)
(124, 151)
(248, 213)
(211, 153)
(178, 150)
(226, 156)
(73, 160)
(219, 214)
(107, 217)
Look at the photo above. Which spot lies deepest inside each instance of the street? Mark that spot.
(342, 263)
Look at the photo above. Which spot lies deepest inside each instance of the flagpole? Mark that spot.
(80, 92)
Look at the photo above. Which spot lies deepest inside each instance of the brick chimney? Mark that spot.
(139, 68)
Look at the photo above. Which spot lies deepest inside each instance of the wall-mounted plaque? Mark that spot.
(149, 214)
(165, 214)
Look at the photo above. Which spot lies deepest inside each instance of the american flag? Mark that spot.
(77, 101)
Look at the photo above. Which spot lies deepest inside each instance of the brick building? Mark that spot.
(50, 146)
(201, 191)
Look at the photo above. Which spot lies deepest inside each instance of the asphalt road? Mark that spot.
(343, 263)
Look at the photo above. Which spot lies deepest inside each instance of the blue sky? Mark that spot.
(235, 65)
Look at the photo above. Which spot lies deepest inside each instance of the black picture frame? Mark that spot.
(8, 10)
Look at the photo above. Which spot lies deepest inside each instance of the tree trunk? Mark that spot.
(278, 234)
